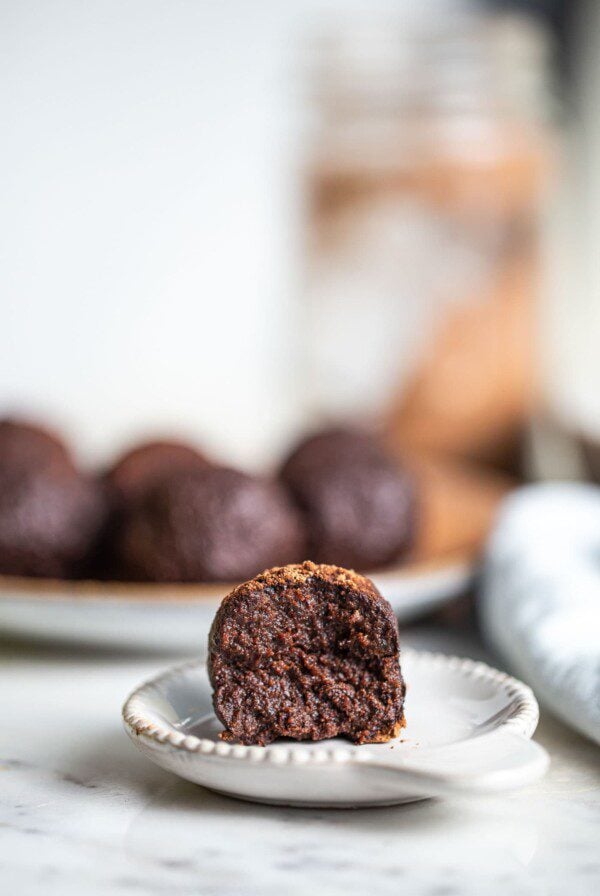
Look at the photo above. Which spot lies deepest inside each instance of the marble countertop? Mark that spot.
(82, 811)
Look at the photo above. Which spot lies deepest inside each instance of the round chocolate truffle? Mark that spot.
(131, 477)
(358, 505)
(25, 445)
(210, 525)
(146, 465)
(307, 652)
(49, 522)
(329, 447)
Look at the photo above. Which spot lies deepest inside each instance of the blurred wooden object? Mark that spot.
(472, 394)
(458, 502)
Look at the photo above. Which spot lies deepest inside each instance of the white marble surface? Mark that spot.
(82, 811)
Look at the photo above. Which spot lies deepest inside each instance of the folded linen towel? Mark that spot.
(540, 602)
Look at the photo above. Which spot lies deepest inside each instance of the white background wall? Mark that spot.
(147, 219)
(150, 241)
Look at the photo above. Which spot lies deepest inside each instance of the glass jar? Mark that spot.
(430, 151)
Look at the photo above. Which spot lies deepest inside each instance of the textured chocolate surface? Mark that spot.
(309, 652)
(214, 524)
(49, 522)
(358, 505)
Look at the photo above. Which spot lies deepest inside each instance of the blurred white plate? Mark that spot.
(468, 733)
(176, 618)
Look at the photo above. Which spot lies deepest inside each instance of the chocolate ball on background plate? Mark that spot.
(143, 466)
(210, 525)
(358, 504)
(136, 472)
(25, 445)
(327, 447)
(50, 522)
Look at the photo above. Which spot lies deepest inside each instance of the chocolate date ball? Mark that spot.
(137, 471)
(132, 476)
(25, 445)
(307, 652)
(210, 525)
(328, 447)
(358, 505)
(50, 522)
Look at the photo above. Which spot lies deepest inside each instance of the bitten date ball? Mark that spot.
(359, 506)
(144, 466)
(307, 652)
(214, 524)
(50, 522)
(25, 445)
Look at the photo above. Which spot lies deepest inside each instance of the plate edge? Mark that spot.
(522, 721)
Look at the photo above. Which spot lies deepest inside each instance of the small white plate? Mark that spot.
(468, 732)
(176, 618)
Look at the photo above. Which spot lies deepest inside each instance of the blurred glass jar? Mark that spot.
(431, 150)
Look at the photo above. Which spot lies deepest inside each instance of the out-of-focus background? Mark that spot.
(230, 220)
(225, 224)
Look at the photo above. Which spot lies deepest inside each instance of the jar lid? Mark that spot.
(447, 57)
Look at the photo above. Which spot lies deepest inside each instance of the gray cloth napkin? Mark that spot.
(540, 602)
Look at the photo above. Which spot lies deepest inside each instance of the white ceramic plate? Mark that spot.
(468, 732)
(176, 618)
